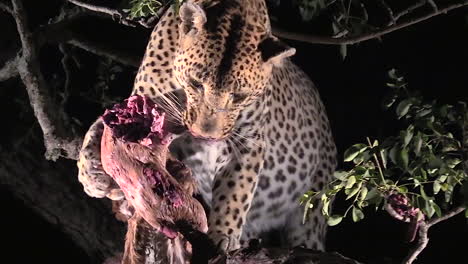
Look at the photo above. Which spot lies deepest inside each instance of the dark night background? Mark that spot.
(432, 55)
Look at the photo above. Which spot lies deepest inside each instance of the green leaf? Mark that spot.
(418, 144)
(392, 73)
(353, 151)
(443, 110)
(354, 191)
(343, 51)
(402, 189)
(389, 100)
(307, 206)
(451, 163)
(393, 154)
(399, 157)
(403, 158)
(357, 214)
(423, 194)
(429, 208)
(363, 194)
(403, 108)
(351, 181)
(448, 193)
(361, 158)
(407, 135)
(341, 175)
(424, 112)
(437, 209)
(436, 187)
(435, 162)
(466, 213)
(372, 194)
(325, 204)
(334, 220)
(442, 178)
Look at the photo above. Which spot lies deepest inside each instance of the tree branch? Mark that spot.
(446, 216)
(59, 32)
(120, 15)
(9, 70)
(95, 48)
(360, 38)
(58, 142)
(423, 231)
(410, 9)
(420, 244)
(52, 191)
(5, 8)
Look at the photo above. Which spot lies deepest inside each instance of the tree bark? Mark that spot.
(52, 190)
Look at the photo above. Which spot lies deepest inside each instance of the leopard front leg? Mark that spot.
(233, 190)
(95, 181)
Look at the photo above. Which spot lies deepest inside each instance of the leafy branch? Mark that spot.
(142, 12)
(351, 19)
(413, 176)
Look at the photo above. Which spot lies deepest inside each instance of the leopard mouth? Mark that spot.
(207, 139)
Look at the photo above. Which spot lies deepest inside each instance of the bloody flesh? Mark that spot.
(134, 152)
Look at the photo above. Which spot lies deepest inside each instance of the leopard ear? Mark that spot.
(193, 18)
(274, 51)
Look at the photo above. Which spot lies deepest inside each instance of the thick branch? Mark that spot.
(420, 244)
(446, 216)
(9, 70)
(423, 239)
(360, 38)
(56, 139)
(5, 8)
(52, 191)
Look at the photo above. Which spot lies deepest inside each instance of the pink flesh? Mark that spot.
(137, 120)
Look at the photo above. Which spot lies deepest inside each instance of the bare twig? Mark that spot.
(389, 12)
(66, 69)
(95, 48)
(365, 14)
(9, 70)
(465, 143)
(57, 140)
(423, 239)
(433, 5)
(367, 36)
(99, 9)
(105, 10)
(59, 32)
(410, 9)
(120, 15)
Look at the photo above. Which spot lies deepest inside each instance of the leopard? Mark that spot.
(257, 133)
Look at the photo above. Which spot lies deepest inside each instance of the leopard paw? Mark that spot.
(224, 242)
(91, 175)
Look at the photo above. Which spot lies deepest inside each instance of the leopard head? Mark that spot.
(224, 59)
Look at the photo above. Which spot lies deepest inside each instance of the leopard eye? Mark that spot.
(196, 85)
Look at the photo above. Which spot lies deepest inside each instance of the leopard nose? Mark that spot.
(208, 127)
